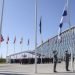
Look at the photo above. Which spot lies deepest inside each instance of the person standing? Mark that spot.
(67, 56)
(55, 59)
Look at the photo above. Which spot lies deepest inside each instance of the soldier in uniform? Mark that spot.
(55, 59)
(67, 56)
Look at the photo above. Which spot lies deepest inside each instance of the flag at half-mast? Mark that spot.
(7, 40)
(21, 41)
(14, 39)
(1, 38)
(64, 19)
(28, 42)
(40, 25)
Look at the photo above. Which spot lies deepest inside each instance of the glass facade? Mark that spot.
(67, 42)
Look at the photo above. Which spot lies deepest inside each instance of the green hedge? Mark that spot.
(2, 60)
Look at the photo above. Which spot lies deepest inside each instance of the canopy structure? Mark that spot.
(67, 42)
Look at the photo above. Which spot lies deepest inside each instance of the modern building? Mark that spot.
(45, 50)
(67, 42)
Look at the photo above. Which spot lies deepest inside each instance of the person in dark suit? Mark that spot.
(67, 56)
(55, 59)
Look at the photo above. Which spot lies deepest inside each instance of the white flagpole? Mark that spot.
(1, 20)
(70, 31)
(41, 40)
(41, 48)
(28, 53)
(1, 17)
(21, 44)
(72, 67)
(7, 53)
(14, 52)
(21, 49)
(35, 36)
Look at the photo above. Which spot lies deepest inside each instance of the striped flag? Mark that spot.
(21, 40)
(7, 40)
(14, 39)
(1, 38)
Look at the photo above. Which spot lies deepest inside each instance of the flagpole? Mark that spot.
(1, 19)
(28, 54)
(35, 36)
(59, 39)
(14, 52)
(41, 38)
(21, 48)
(21, 44)
(70, 31)
(41, 48)
(49, 49)
(7, 53)
(28, 50)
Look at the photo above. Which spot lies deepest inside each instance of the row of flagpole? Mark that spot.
(21, 43)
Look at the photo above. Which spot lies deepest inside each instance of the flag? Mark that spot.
(14, 39)
(65, 16)
(40, 26)
(21, 41)
(7, 40)
(64, 19)
(28, 41)
(1, 38)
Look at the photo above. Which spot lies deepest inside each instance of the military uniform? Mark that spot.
(67, 56)
(55, 59)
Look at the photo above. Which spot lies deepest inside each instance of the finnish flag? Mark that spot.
(65, 17)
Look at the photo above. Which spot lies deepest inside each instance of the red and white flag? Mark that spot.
(1, 38)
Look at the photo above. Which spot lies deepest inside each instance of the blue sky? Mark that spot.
(19, 21)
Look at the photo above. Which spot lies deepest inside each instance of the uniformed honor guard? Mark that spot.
(55, 59)
(67, 56)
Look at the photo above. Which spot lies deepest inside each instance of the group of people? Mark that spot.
(55, 60)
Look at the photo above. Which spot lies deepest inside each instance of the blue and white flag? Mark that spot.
(64, 19)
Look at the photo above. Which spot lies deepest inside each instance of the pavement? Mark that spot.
(29, 69)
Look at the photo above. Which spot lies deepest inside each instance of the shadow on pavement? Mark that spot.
(67, 72)
(12, 74)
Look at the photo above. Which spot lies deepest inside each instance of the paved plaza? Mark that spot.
(42, 69)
